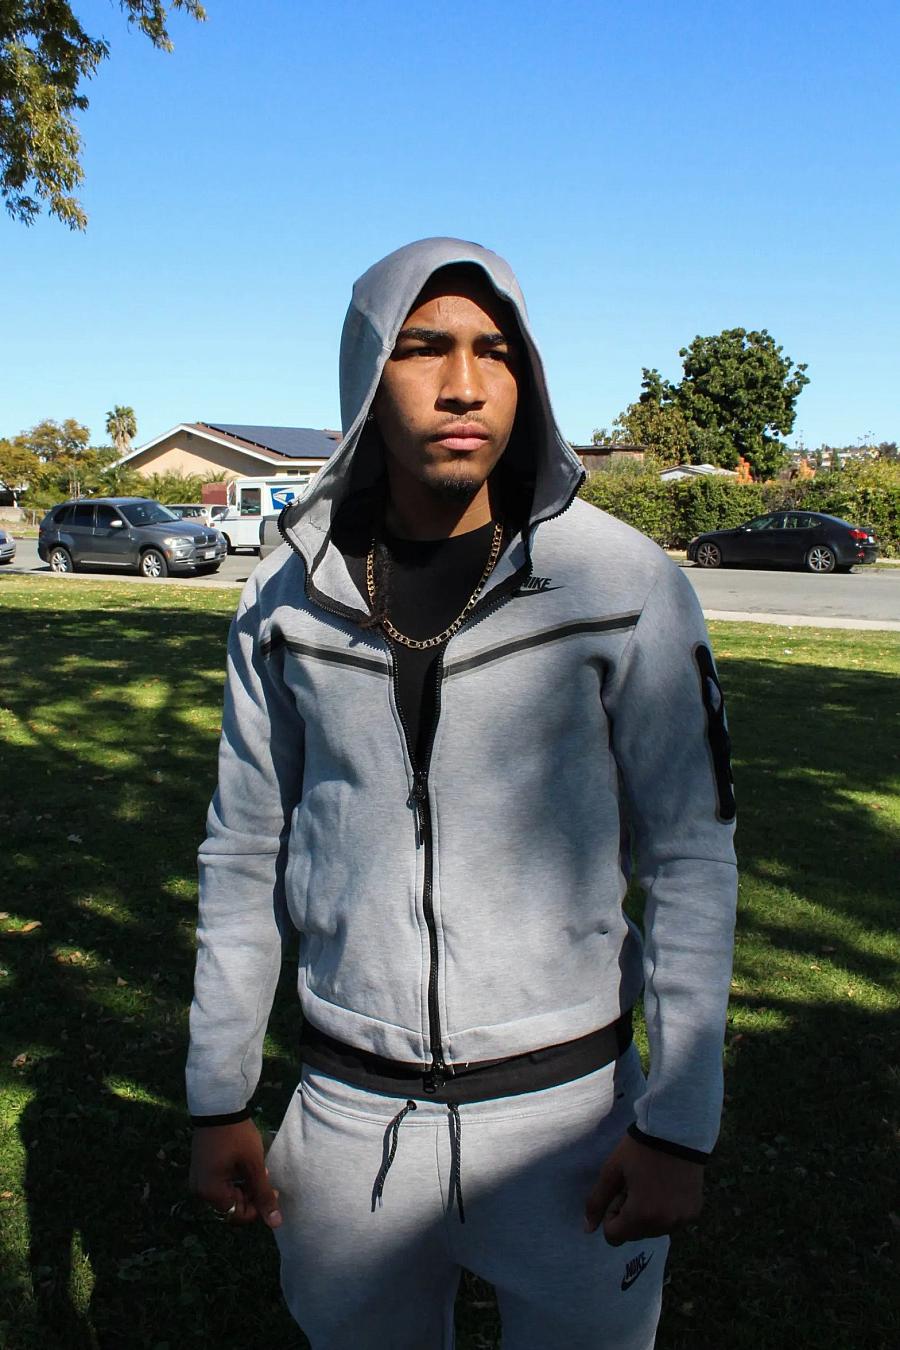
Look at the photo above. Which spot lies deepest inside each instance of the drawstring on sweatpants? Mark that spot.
(391, 1138)
(456, 1160)
(390, 1148)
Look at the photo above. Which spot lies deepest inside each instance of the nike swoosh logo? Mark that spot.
(522, 595)
(628, 1280)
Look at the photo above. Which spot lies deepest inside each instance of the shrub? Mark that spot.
(713, 504)
(641, 500)
(672, 513)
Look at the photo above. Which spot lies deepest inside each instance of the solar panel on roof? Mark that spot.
(294, 442)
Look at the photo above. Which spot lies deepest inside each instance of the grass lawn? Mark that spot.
(109, 711)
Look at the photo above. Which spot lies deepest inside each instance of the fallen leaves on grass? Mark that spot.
(31, 927)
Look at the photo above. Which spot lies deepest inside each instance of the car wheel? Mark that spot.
(228, 543)
(820, 558)
(153, 564)
(709, 555)
(60, 560)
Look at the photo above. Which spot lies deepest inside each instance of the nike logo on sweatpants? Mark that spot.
(634, 1268)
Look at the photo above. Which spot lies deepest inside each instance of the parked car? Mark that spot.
(809, 539)
(127, 532)
(7, 547)
(190, 511)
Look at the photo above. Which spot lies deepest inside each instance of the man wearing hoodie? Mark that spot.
(459, 702)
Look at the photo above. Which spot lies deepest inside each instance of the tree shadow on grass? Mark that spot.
(796, 1241)
(114, 720)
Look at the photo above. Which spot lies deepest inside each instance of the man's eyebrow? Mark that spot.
(440, 335)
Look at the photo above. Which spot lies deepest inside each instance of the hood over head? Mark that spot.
(382, 298)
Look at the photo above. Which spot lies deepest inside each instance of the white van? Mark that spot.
(249, 499)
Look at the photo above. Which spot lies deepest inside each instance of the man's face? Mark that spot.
(447, 400)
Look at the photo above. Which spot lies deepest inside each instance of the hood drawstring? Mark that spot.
(391, 1138)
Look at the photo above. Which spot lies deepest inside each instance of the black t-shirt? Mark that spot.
(427, 584)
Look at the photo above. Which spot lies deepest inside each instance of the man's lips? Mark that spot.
(464, 436)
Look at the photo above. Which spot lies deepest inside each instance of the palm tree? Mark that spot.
(121, 426)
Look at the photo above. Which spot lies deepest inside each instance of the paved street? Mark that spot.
(867, 597)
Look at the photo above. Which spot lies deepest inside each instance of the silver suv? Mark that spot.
(127, 532)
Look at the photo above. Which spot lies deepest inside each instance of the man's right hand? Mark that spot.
(228, 1168)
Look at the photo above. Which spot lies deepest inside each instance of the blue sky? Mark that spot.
(652, 171)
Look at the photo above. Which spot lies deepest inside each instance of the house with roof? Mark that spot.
(234, 450)
(597, 458)
(680, 471)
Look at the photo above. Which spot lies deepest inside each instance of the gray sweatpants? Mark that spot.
(384, 1278)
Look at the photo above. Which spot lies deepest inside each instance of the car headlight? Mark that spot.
(179, 543)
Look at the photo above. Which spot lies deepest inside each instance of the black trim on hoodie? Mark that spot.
(666, 1146)
(534, 1071)
(232, 1118)
(539, 639)
(338, 658)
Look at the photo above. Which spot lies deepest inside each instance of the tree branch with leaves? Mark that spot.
(45, 58)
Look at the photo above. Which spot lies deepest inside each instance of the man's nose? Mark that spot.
(462, 386)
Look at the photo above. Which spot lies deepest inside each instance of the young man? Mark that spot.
(458, 702)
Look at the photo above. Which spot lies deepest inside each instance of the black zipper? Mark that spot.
(438, 1070)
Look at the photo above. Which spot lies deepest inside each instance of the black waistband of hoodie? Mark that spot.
(548, 1067)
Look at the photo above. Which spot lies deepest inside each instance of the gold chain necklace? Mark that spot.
(423, 644)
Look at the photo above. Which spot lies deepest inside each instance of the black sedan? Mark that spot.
(807, 539)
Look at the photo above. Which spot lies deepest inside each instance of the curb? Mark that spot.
(802, 620)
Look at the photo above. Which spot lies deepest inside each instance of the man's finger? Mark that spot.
(219, 1194)
(262, 1197)
(608, 1189)
(619, 1222)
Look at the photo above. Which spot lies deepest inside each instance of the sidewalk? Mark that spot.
(801, 620)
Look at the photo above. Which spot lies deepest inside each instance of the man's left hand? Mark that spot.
(642, 1193)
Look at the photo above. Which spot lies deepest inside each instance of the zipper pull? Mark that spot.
(416, 801)
(436, 1076)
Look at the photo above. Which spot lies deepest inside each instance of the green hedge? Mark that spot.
(672, 513)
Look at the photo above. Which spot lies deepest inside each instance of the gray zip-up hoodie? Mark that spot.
(578, 712)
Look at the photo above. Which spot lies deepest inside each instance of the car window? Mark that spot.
(84, 514)
(106, 515)
(64, 515)
(147, 513)
(251, 503)
(811, 522)
(762, 523)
